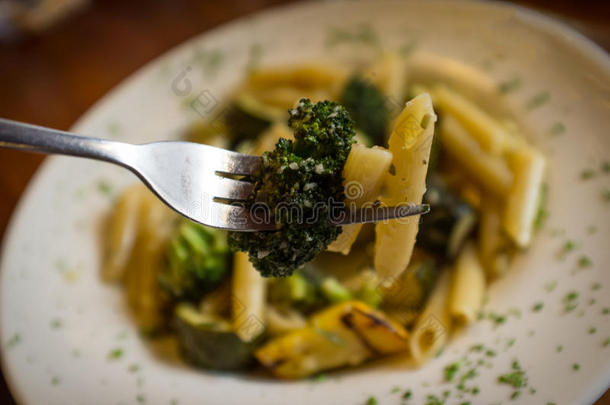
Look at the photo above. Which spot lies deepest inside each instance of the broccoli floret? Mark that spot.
(198, 259)
(368, 107)
(298, 181)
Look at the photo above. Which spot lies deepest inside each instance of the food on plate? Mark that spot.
(311, 296)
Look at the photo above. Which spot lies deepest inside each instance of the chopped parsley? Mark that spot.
(557, 129)
(550, 286)
(542, 213)
(56, 323)
(507, 86)
(606, 167)
(133, 368)
(407, 394)
(585, 261)
(587, 174)
(592, 330)
(575, 366)
(371, 401)
(104, 187)
(434, 400)
(451, 370)
(570, 301)
(515, 378)
(606, 311)
(538, 100)
(14, 340)
(115, 354)
(538, 307)
(596, 286)
(607, 342)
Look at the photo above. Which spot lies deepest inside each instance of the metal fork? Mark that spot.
(192, 179)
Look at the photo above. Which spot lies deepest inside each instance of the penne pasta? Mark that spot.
(524, 197)
(389, 75)
(363, 176)
(494, 246)
(410, 144)
(467, 287)
(248, 300)
(432, 327)
(155, 223)
(489, 134)
(121, 233)
(490, 172)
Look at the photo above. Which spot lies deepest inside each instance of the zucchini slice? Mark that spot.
(209, 342)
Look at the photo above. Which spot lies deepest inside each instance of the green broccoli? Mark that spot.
(298, 181)
(198, 259)
(368, 106)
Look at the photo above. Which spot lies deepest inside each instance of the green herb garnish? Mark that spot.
(538, 100)
(557, 129)
(115, 354)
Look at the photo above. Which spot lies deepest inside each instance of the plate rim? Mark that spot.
(537, 19)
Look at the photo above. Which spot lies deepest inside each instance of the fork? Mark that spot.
(197, 181)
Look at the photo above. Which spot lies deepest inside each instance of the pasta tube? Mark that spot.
(410, 144)
(490, 135)
(491, 172)
(494, 246)
(432, 328)
(467, 287)
(524, 197)
(248, 300)
(363, 175)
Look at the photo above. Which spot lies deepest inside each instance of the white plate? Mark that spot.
(59, 322)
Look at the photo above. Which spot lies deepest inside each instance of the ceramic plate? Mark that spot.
(67, 338)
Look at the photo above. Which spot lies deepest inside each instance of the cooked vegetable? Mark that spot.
(303, 175)
(363, 175)
(248, 300)
(450, 221)
(198, 259)
(209, 342)
(410, 146)
(296, 291)
(344, 334)
(247, 118)
(368, 107)
(334, 291)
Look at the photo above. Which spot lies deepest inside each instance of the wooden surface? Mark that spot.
(53, 78)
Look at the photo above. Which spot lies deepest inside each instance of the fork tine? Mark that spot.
(239, 164)
(235, 218)
(232, 189)
(376, 214)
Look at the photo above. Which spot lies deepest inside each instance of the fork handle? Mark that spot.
(33, 138)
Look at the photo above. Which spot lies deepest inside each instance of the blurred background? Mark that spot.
(58, 57)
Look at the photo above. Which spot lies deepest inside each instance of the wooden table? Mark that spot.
(54, 78)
